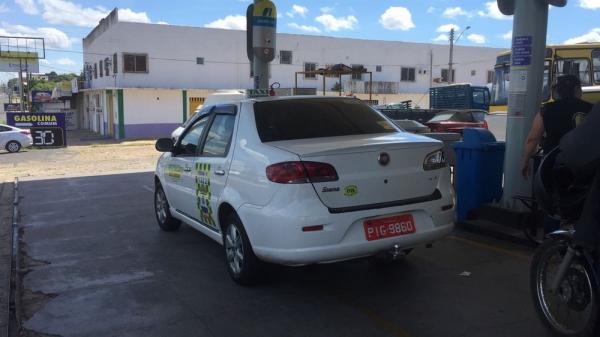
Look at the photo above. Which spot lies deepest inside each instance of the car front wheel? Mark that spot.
(13, 146)
(242, 264)
(161, 209)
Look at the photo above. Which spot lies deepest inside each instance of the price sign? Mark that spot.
(47, 129)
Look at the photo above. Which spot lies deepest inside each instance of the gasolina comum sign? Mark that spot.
(47, 129)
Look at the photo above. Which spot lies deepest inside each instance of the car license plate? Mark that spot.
(378, 229)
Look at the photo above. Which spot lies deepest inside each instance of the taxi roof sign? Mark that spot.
(256, 93)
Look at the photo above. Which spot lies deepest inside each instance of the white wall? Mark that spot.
(147, 106)
(173, 51)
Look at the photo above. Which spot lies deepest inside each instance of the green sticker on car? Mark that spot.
(350, 190)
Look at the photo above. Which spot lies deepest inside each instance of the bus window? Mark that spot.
(500, 86)
(546, 84)
(596, 62)
(577, 67)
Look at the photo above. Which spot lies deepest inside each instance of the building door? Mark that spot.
(193, 104)
(110, 123)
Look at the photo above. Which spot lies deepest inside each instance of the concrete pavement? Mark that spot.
(105, 269)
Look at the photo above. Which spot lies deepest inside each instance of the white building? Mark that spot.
(145, 79)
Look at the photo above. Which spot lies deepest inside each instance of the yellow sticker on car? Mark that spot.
(386, 125)
(174, 171)
(203, 194)
(350, 190)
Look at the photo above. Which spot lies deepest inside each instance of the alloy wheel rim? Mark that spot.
(13, 147)
(234, 249)
(161, 207)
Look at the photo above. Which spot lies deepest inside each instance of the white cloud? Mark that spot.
(305, 28)
(162, 23)
(4, 8)
(591, 36)
(64, 12)
(65, 62)
(236, 22)
(454, 12)
(397, 18)
(127, 14)
(44, 62)
(334, 24)
(326, 10)
(441, 37)
(492, 11)
(53, 38)
(297, 9)
(28, 6)
(589, 4)
(446, 28)
(476, 38)
(508, 35)
(430, 10)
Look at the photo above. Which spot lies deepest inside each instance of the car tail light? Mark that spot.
(485, 124)
(300, 172)
(434, 161)
(25, 132)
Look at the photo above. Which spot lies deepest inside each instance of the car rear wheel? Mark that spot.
(161, 209)
(13, 146)
(243, 266)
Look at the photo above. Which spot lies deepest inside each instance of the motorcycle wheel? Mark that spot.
(573, 309)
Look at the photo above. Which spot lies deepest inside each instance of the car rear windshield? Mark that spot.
(317, 118)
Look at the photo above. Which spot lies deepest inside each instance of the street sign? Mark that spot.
(25, 61)
(521, 50)
(47, 129)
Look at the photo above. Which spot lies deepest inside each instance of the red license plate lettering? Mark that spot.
(389, 227)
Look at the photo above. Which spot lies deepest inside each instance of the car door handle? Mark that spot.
(187, 169)
(220, 172)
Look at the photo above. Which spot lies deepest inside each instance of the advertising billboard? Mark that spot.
(38, 96)
(28, 62)
(47, 129)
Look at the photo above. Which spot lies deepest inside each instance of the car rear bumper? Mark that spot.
(276, 231)
(349, 250)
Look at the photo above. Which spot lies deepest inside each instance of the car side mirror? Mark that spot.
(164, 145)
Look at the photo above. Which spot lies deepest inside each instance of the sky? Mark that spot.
(63, 23)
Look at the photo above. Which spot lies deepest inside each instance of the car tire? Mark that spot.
(13, 146)
(165, 220)
(243, 266)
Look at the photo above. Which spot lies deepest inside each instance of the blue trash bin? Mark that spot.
(479, 170)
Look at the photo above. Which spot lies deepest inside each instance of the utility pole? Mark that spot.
(450, 79)
(430, 67)
(525, 93)
(21, 84)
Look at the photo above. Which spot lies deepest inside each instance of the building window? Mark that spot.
(285, 57)
(445, 75)
(596, 65)
(357, 70)
(107, 66)
(200, 60)
(407, 75)
(135, 63)
(378, 69)
(310, 67)
(490, 76)
(95, 70)
(101, 66)
(115, 67)
(473, 72)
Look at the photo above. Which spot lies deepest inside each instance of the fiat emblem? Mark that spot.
(383, 159)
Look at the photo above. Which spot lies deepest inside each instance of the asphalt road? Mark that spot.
(94, 250)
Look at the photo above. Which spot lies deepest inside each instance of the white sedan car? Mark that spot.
(298, 181)
(14, 139)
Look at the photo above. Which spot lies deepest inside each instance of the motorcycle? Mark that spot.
(564, 276)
